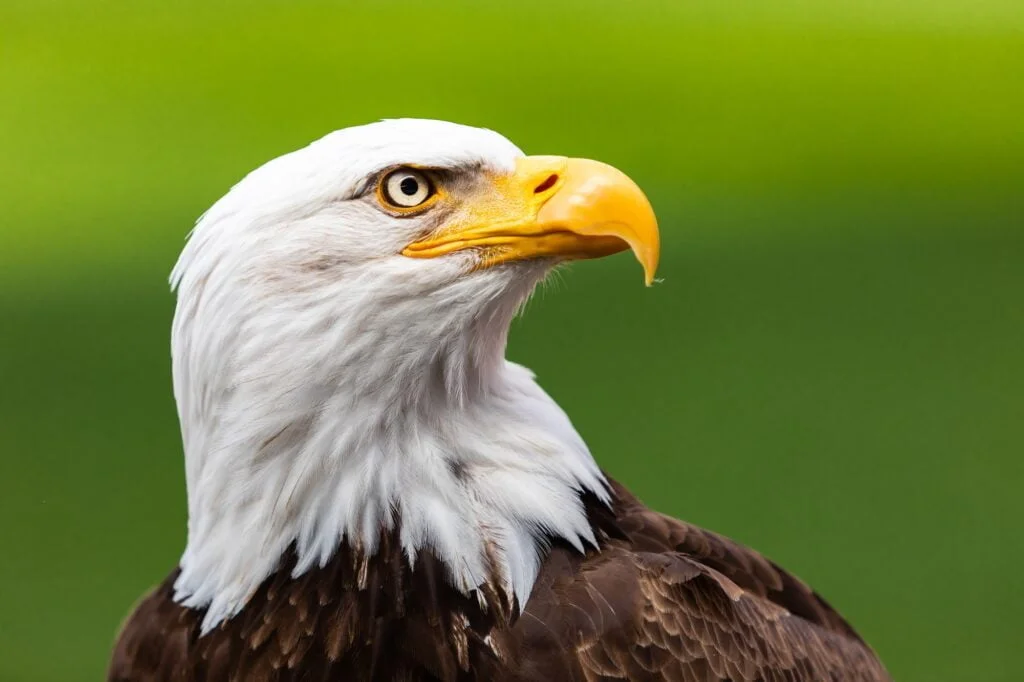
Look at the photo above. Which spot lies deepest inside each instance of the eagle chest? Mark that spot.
(353, 619)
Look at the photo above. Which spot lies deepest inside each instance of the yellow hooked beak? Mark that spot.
(551, 207)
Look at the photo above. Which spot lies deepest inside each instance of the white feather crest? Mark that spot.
(324, 382)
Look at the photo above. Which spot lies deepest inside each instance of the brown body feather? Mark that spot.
(660, 600)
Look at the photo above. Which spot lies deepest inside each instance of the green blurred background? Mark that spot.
(832, 370)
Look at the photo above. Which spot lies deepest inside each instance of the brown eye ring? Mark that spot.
(406, 188)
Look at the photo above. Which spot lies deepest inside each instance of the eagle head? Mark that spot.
(338, 356)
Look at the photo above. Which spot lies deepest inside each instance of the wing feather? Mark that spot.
(648, 530)
(681, 604)
(690, 623)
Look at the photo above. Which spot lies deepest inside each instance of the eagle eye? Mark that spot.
(406, 188)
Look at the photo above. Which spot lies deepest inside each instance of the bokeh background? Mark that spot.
(832, 369)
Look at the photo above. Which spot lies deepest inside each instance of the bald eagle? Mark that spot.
(376, 493)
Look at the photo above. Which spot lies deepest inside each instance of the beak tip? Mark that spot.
(649, 262)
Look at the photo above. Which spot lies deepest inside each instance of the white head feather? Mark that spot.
(328, 386)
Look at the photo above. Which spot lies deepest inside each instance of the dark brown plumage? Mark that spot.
(660, 600)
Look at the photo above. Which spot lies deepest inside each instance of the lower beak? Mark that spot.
(553, 207)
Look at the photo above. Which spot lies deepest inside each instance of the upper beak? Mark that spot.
(553, 207)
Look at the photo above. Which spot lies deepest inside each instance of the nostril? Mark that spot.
(548, 183)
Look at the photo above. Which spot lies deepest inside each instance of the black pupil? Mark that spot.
(409, 186)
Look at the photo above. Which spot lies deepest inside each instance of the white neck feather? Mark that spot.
(319, 428)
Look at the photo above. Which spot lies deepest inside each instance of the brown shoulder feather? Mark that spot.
(661, 600)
